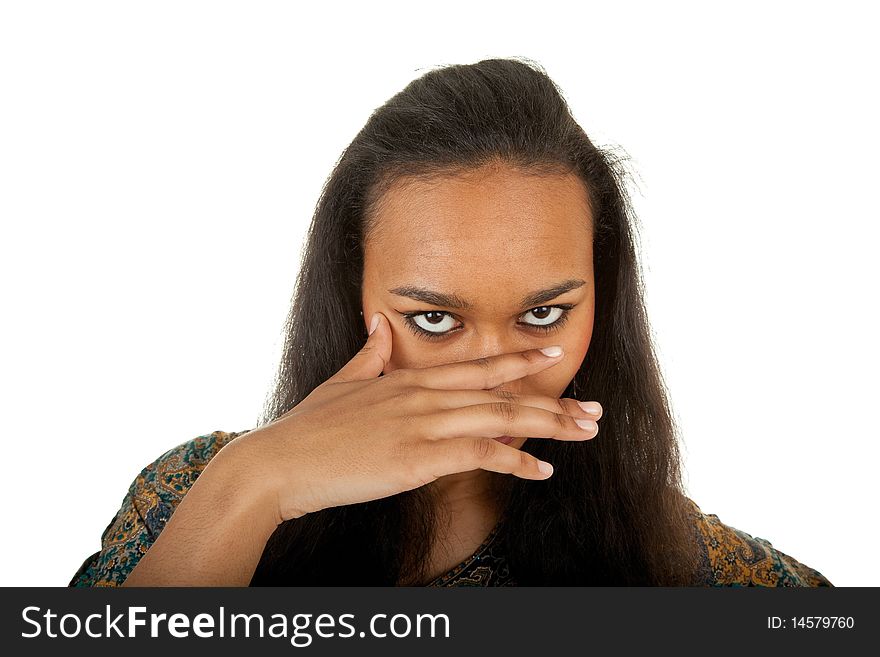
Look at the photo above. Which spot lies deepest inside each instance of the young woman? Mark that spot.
(468, 310)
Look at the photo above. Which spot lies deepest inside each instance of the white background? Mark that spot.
(160, 162)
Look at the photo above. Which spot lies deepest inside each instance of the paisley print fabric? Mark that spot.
(485, 567)
(735, 558)
(730, 556)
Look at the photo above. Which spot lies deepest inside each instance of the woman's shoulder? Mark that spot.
(736, 558)
(159, 487)
(150, 501)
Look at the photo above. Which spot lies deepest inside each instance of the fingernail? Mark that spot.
(374, 323)
(589, 425)
(590, 407)
(553, 351)
(545, 467)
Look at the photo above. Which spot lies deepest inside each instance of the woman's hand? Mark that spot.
(359, 437)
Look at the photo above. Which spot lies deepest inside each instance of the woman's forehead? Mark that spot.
(491, 247)
(505, 217)
(484, 258)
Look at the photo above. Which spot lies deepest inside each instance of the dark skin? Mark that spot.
(490, 237)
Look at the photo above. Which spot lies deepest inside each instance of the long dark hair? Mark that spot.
(614, 511)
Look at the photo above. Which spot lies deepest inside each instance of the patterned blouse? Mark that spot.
(730, 556)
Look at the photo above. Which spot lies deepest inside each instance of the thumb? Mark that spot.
(369, 362)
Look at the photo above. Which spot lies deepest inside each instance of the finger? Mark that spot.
(505, 419)
(371, 359)
(446, 399)
(479, 453)
(484, 373)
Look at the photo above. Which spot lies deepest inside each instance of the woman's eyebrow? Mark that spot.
(454, 301)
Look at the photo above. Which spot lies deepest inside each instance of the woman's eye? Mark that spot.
(433, 321)
(546, 315)
(436, 324)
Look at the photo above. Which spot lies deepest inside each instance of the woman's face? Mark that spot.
(490, 262)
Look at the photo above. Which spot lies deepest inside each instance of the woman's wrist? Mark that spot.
(259, 468)
(244, 485)
(219, 530)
